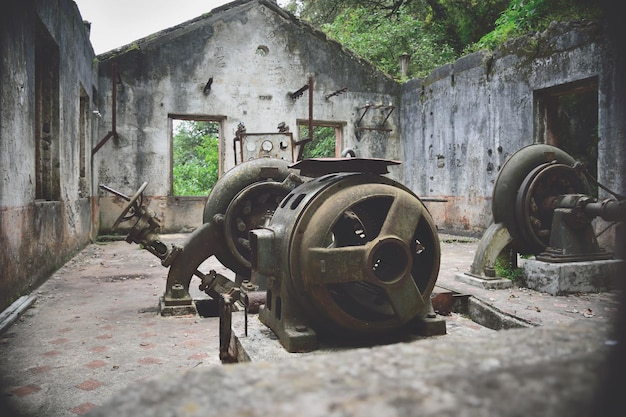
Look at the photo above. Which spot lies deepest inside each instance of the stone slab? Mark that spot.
(488, 284)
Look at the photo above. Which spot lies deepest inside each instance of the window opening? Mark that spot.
(325, 140)
(569, 120)
(47, 164)
(195, 156)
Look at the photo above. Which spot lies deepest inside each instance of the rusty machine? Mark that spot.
(335, 249)
(543, 205)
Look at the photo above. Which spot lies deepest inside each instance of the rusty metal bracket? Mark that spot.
(299, 92)
(227, 306)
(388, 108)
(303, 142)
(207, 87)
(336, 93)
(113, 132)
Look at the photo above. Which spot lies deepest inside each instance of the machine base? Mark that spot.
(430, 326)
(177, 310)
(570, 277)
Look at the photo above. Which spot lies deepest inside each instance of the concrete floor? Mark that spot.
(94, 328)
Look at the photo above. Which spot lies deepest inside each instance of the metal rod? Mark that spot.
(366, 107)
(302, 143)
(102, 142)
(310, 108)
(114, 98)
(112, 191)
(389, 114)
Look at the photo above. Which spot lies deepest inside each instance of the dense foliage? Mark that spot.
(433, 32)
(523, 16)
(195, 157)
(323, 143)
(382, 39)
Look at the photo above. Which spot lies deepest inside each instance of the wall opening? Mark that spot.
(83, 134)
(195, 155)
(326, 137)
(47, 138)
(567, 117)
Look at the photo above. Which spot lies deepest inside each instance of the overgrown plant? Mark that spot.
(523, 16)
(506, 269)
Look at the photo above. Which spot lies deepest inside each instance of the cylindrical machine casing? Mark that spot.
(380, 227)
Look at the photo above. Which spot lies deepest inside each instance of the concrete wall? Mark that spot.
(256, 55)
(38, 234)
(460, 124)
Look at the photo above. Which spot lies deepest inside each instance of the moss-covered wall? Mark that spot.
(460, 124)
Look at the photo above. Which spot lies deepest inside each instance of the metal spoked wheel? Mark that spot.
(368, 258)
(133, 205)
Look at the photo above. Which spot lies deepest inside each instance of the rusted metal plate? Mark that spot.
(316, 167)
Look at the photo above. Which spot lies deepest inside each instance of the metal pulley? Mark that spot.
(526, 189)
(345, 254)
(243, 199)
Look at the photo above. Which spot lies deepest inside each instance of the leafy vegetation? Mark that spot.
(323, 143)
(433, 32)
(382, 40)
(506, 265)
(523, 16)
(196, 157)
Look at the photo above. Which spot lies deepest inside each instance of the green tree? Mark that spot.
(195, 157)
(433, 32)
(382, 40)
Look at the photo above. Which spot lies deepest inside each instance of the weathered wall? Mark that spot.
(38, 236)
(460, 124)
(165, 74)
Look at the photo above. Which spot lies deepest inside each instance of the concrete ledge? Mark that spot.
(489, 316)
(488, 284)
(13, 312)
(570, 277)
(547, 371)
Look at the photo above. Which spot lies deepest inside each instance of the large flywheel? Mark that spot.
(527, 185)
(244, 199)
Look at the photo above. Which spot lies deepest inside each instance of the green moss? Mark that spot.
(504, 268)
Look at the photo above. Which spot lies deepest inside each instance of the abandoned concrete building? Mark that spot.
(71, 120)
